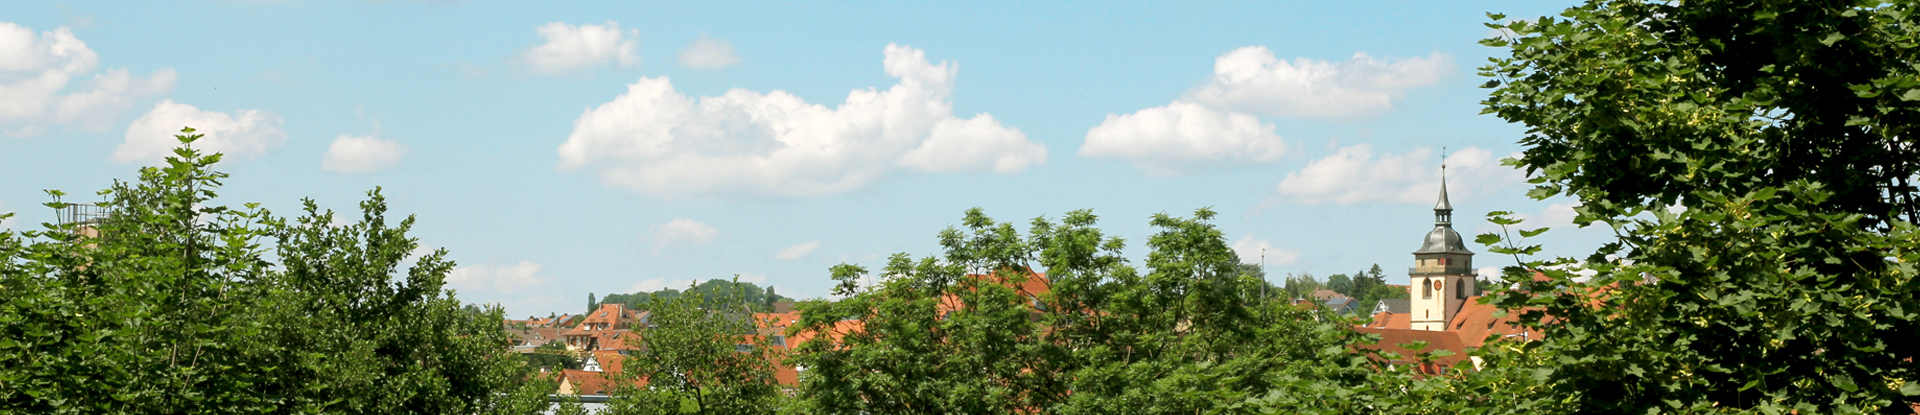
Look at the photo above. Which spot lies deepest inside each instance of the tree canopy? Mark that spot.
(1757, 159)
(174, 303)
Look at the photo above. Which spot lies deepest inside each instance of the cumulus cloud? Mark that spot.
(680, 232)
(243, 132)
(795, 252)
(1250, 249)
(362, 154)
(658, 284)
(1252, 80)
(657, 141)
(36, 71)
(1354, 174)
(496, 278)
(1167, 140)
(708, 53)
(569, 48)
(1488, 273)
(1218, 124)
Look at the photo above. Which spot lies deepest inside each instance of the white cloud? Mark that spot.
(658, 284)
(795, 252)
(708, 53)
(1250, 249)
(680, 232)
(1251, 79)
(657, 141)
(1558, 216)
(35, 70)
(571, 48)
(362, 154)
(244, 132)
(1217, 124)
(1166, 140)
(496, 278)
(1488, 273)
(1354, 174)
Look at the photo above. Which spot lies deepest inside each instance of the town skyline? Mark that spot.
(520, 136)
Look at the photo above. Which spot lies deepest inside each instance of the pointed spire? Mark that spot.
(1443, 211)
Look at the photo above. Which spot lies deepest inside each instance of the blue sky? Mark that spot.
(575, 147)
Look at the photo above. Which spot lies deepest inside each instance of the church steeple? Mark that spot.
(1443, 238)
(1443, 211)
(1442, 276)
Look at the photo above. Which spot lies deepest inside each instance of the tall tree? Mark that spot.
(1757, 159)
(951, 334)
(700, 354)
(169, 303)
(1340, 283)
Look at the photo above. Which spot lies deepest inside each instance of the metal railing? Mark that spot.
(82, 214)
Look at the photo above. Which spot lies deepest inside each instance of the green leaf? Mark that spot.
(1832, 37)
(1910, 388)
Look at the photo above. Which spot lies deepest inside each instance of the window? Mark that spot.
(1443, 261)
(1426, 291)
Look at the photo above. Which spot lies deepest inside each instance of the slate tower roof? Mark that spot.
(1442, 239)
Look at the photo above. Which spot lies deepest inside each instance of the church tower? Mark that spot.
(1442, 276)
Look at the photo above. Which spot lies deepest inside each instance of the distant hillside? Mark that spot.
(760, 298)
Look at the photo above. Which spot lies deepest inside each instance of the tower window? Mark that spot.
(1426, 291)
(1443, 261)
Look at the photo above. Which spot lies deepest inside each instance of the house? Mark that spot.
(605, 328)
(581, 382)
(534, 337)
(1340, 305)
(1392, 305)
(1322, 295)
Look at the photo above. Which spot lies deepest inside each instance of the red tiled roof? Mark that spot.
(617, 340)
(1325, 294)
(1392, 339)
(609, 314)
(610, 361)
(586, 383)
(1476, 321)
(1390, 320)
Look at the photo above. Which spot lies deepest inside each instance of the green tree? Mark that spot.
(1340, 283)
(905, 354)
(553, 356)
(1757, 159)
(949, 334)
(701, 354)
(1302, 286)
(171, 304)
